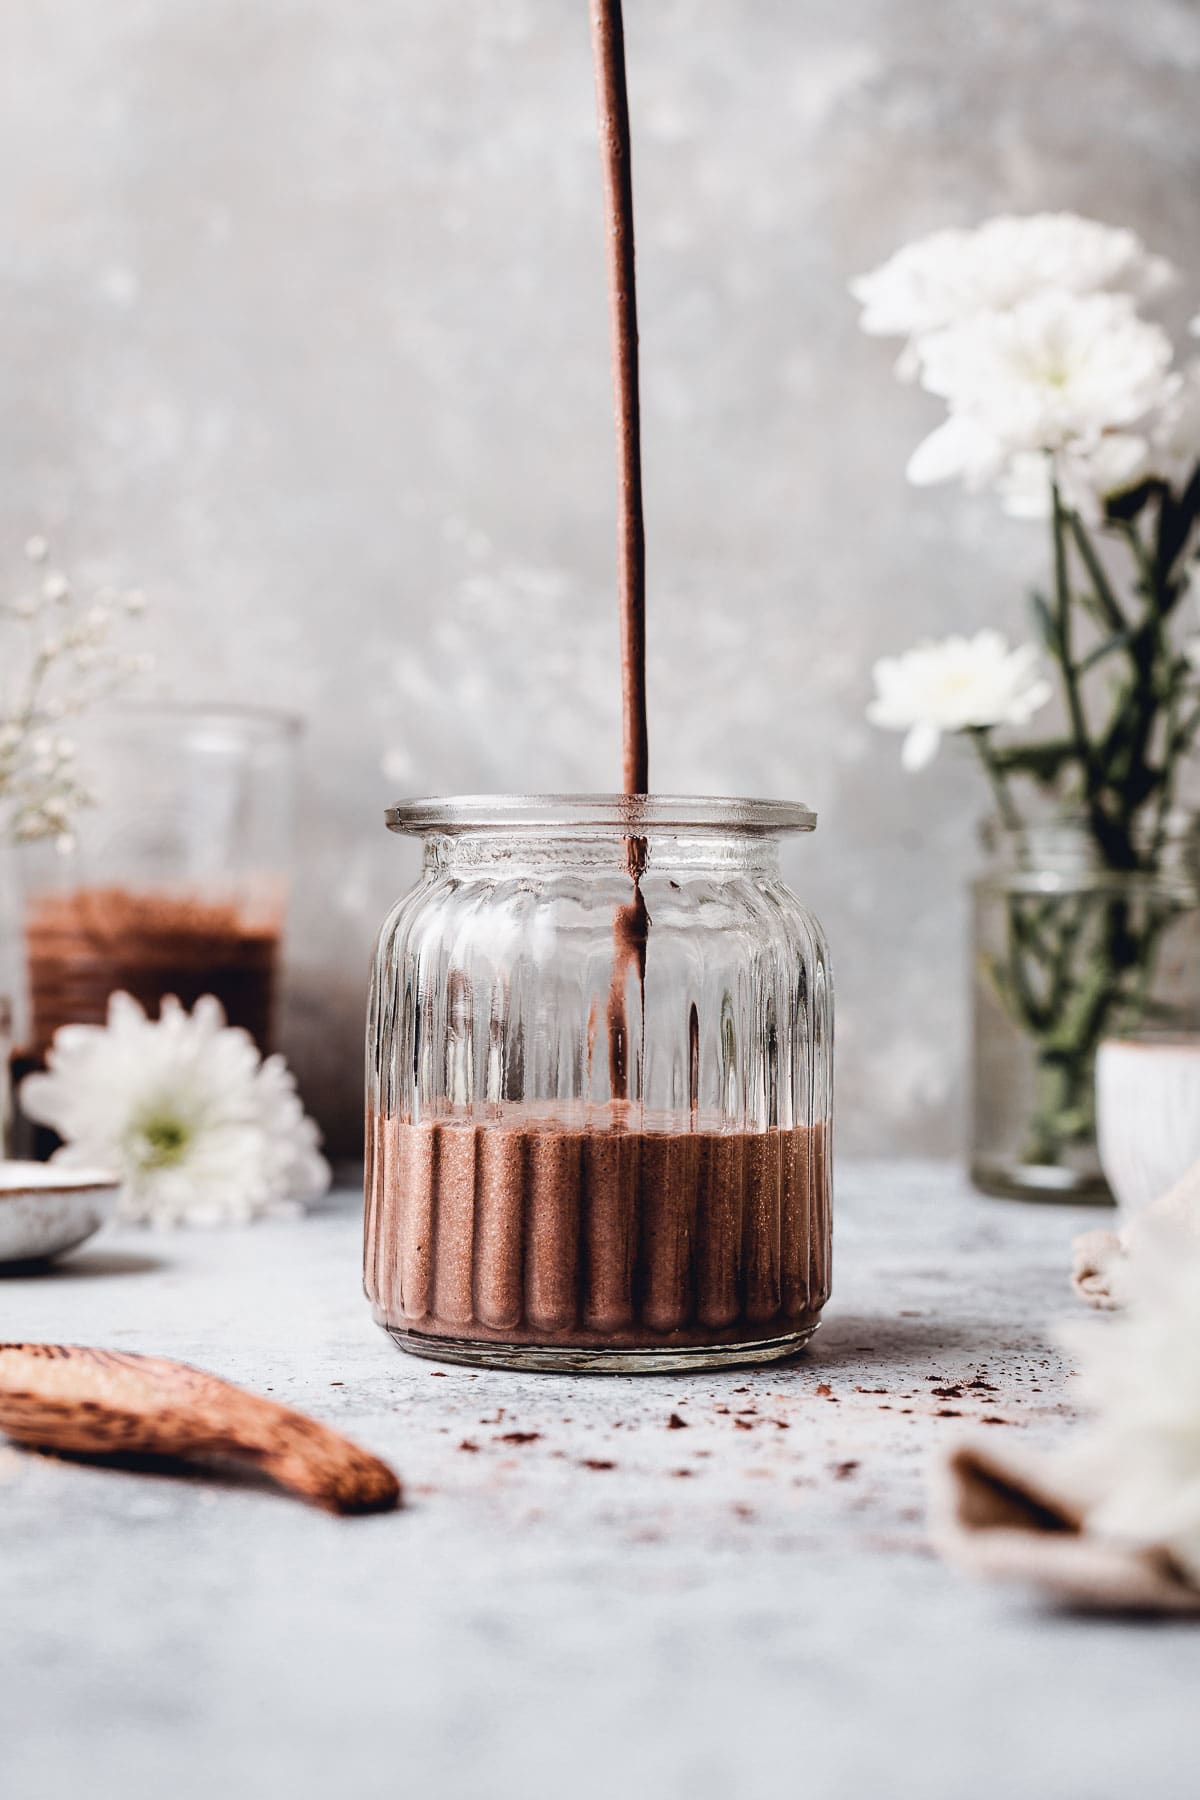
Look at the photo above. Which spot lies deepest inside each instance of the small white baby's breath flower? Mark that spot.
(201, 1129)
(64, 843)
(37, 549)
(56, 587)
(959, 684)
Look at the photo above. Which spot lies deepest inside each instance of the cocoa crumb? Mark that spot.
(985, 1387)
(337, 1384)
(434, 1375)
(994, 1419)
(866, 1390)
(843, 1470)
(518, 1437)
(742, 1511)
(683, 1474)
(947, 1393)
(468, 1445)
(675, 1423)
(596, 1462)
(948, 1412)
(744, 1424)
(823, 1389)
(779, 1424)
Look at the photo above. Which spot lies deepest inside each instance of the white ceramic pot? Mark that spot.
(46, 1211)
(1147, 1115)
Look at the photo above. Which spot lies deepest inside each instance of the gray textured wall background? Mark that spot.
(302, 326)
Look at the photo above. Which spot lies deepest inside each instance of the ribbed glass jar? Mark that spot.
(599, 1087)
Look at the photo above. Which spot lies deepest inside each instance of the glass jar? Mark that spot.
(178, 882)
(1068, 952)
(599, 1088)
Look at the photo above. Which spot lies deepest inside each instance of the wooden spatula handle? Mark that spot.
(92, 1402)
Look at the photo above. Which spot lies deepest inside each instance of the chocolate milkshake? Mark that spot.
(83, 945)
(626, 1224)
(589, 1233)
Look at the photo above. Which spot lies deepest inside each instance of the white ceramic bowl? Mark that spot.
(45, 1210)
(1147, 1115)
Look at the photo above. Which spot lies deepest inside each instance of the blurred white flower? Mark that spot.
(1175, 431)
(956, 685)
(1086, 477)
(1140, 1372)
(1059, 372)
(200, 1128)
(953, 275)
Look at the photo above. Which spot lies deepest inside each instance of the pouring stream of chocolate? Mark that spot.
(631, 922)
(612, 105)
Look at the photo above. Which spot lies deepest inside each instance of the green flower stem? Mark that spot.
(1110, 606)
(1006, 806)
(1080, 963)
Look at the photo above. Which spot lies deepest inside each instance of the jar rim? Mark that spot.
(248, 721)
(623, 813)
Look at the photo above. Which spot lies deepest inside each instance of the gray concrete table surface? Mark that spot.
(579, 1599)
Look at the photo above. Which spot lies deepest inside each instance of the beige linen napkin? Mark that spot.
(1023, 1518)
(1100, 1257)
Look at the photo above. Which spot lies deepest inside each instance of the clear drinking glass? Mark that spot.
(1067, 953)
(599, 1113)
(178, 884)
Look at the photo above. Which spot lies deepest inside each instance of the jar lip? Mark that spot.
(622, 813)
(248, 721)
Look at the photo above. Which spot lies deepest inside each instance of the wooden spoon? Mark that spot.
(110, 1403)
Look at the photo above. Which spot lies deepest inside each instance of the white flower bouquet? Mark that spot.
(1070, 403)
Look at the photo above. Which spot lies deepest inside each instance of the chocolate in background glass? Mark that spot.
(540, 1195)
(179, 881)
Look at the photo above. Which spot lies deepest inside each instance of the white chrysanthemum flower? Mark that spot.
(960, 684)
(1167, 449)
(200, 1128)
(1086, 477)
(1175, 431)
(1140, 1373)
(951, 276)
(1057, 373)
